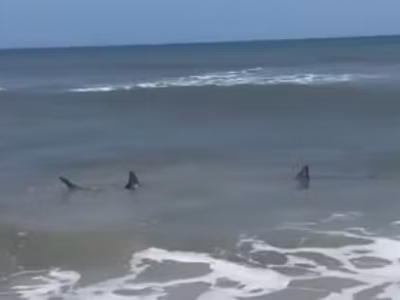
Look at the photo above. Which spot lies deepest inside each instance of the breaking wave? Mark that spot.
(257, 76)
(350, 266)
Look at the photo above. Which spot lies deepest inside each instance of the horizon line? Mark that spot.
(174, 44)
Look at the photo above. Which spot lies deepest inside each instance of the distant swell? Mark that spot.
(257, 76)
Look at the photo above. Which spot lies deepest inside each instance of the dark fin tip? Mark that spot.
(133, 182)
(69, 184)
(303, 177)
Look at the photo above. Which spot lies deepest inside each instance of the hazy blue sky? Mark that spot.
(35, 23)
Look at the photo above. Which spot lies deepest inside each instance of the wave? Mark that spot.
(101, 88)
(355, 266)
(257, 76)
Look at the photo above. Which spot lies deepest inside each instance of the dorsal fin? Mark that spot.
(133, 181)
(69, 184)
(303, 177)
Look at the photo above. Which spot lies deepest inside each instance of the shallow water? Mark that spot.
(216, 142)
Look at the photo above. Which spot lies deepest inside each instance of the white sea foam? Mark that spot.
(99, 88)
(352, 270)
(56, 282)
(256, 76)
(342, 216)
(248, 78)
(374, 265)
(252, 281)
(396, 223)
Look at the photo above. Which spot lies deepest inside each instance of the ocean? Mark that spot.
(216, 134)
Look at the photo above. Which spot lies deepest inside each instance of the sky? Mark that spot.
(64, 23)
